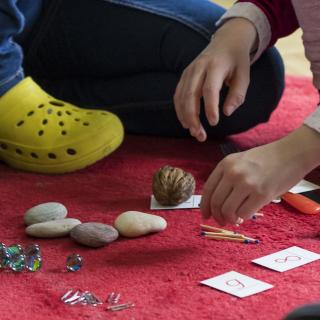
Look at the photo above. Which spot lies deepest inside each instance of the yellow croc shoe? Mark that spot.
(39, 133)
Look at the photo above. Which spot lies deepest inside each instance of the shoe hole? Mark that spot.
(3, 146)
(86, 124)
(18, 151)
(104, 113)
(40, 106)
(40, 133)
(71, 152)
(59, 113)
(90, 112)
(30, 113)
(57, 103)
(77, 119)
(52, 156)
(75, 110)
(49, 111)
(61, 123)
(45, 121)
(68, 113)
(20, 123)
(63, 132)
(34, 155)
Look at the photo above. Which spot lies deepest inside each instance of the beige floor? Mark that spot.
(291, 49)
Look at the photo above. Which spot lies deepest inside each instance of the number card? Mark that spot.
(193, 202)
(304, 186)
(287, 259)
(237, 284)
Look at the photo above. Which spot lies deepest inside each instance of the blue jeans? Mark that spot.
(129, 61)
(13, 17)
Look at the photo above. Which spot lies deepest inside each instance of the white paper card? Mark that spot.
(193, 202)
(237, 284)
(287, 259)
(304, 186)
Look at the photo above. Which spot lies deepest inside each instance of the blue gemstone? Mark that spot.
(17, 262)
(4, 256)
(74, 262)
(15, 249)
(32, 249)
(33, 262)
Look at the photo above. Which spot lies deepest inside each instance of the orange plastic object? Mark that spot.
(301, 203)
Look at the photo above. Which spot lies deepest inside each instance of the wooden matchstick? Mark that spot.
(228, 238)
(220, 234)
(206, 227)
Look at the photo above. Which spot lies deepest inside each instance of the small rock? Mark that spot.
(134, 224)
(45, 212)
(93, 234)
(52, 229)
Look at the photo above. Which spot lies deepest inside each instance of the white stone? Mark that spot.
(52, 229)
(134, 223)
(45, 212)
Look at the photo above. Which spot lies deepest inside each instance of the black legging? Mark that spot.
(129, 61)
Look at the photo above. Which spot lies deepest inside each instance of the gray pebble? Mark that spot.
(52, 229)
(94, 234)
(45, 212)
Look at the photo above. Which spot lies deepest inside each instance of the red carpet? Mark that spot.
(160, 272)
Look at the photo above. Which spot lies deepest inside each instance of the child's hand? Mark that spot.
(225, 60)
(244, 182)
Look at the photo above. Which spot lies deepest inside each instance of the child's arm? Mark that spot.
(227, 59)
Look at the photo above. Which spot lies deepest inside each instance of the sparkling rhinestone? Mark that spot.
(74, 262)
(33, 262)
(15, 249)
(17, 262)
(32, 249)
(4, 256)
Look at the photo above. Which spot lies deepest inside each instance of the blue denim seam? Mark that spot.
(12, 77)
(204, 32)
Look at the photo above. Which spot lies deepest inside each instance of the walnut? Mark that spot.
(172, 186)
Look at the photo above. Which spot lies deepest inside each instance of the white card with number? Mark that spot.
(287, 259)
(193, 202)
(237, 284)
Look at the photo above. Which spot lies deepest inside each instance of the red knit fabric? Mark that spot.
(160, 273)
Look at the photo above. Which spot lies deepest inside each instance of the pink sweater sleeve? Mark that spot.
(281, 17)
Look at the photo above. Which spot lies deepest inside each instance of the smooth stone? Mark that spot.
(45, 212)
(134, 224)
(52, 229)
(94, 234)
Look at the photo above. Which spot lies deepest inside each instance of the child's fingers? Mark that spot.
(237, 91)
(187, 98)
(211, 93)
